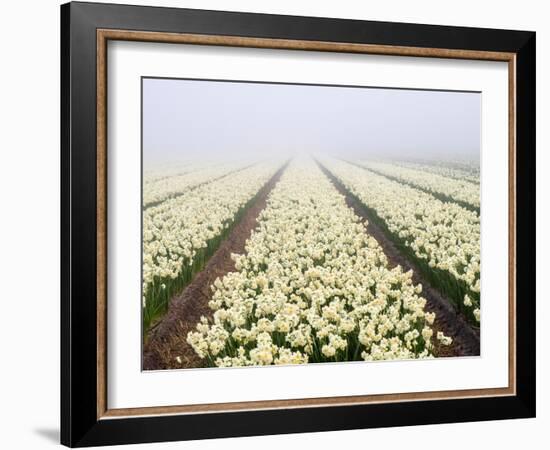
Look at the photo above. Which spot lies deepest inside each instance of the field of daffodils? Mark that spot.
(311, 285)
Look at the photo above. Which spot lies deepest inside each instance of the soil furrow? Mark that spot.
(166, 347)
(451, 323)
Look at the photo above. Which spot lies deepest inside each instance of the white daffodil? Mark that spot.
(312, 285)
(444, 234)
(454, 188)
(177, 228)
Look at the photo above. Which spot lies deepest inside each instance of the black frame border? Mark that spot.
(79, 423)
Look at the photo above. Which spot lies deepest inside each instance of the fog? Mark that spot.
(188, 119)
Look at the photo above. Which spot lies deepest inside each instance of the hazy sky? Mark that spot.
(185, 118)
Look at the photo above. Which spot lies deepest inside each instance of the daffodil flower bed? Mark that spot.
(469, 175)
(163, 188)
(464, 193)
(312, 286)
(153, 172)
(181, 233)
(442, 238)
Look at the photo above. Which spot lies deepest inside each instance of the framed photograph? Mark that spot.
(278, 224)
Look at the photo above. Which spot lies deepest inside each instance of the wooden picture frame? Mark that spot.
(86, 418)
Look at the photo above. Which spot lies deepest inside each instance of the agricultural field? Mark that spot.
(457, 171)
(181, 232)
(309, 259)
(158, 188)
(442, 237)
(444, 187)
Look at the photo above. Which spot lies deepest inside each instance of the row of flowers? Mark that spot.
(469, 174)
(452, 189)
(162, 188)
(180, 234)
(442, 237)
(155, 171)
(312, 286)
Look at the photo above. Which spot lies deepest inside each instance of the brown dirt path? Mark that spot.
(167, 341)
(465, 339)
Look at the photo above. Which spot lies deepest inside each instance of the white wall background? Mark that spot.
(29, 222)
